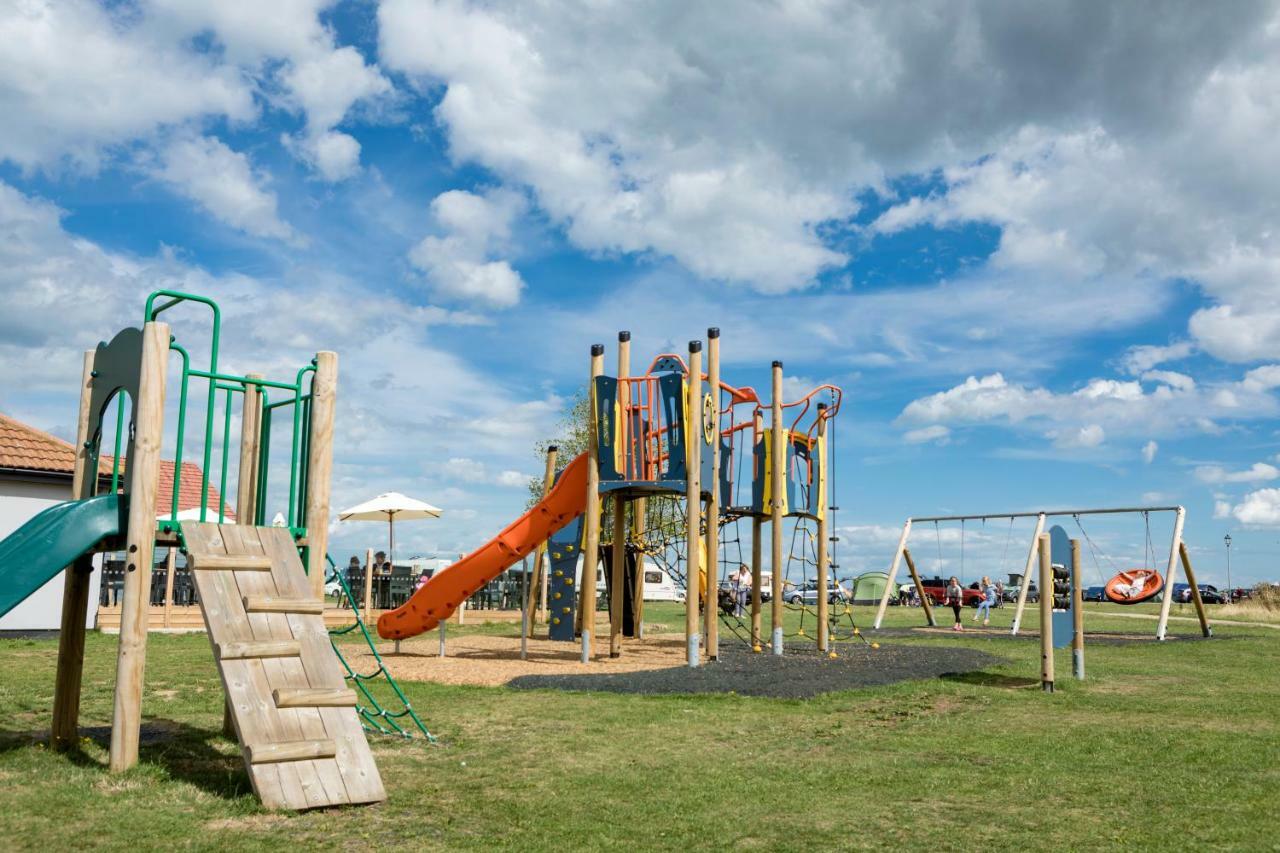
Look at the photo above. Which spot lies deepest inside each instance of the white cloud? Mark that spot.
(1176, 381)
(75, 77)
(1215, 474)
(1082, 418)
(1139, 359)
(224, 183)
(1149, 451)
(1260, 508)
(730, 141)
(937, 434)
(512, 479)
(461, 263)
(1090, 435)
(1221, 509)
(326, 86)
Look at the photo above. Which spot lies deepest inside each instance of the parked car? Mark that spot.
(1209, 594)
(936, 589)
(1011, 594)
(807, 593)
(1095, 593)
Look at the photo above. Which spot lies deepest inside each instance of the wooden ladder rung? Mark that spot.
(231, 562)
(271, 604)
(314, 697)
(294, 750)
(260, 649)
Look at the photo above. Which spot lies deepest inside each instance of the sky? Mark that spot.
(1036, 245)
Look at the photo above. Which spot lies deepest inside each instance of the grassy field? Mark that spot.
(1166, 746)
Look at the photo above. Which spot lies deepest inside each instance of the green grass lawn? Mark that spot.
(1166, 746)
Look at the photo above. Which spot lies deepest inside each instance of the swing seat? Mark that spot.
(1134, 586)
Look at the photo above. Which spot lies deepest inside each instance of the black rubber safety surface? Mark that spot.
(799, 674)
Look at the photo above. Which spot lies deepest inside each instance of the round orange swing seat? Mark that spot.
(1134, 586)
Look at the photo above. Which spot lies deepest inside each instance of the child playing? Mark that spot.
(955, 600)
(989, 597)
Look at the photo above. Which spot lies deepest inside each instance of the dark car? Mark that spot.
(1095, 593)
(1208, 593)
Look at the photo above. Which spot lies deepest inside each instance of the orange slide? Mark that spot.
(449, 587)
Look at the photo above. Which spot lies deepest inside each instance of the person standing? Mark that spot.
(955, 600)
(741, 581)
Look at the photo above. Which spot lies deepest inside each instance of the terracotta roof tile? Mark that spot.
(25, 448)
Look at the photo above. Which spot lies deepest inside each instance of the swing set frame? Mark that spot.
(1177, 555)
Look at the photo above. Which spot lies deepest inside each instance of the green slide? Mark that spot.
(52, 540)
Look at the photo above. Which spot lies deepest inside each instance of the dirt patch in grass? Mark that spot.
(799, 674)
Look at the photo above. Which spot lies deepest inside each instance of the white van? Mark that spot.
(659, 585)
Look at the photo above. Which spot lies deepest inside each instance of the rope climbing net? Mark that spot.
(664, 544)
(374, 716)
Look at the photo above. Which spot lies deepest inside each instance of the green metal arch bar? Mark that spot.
(176, 297)
(297, 438)
(182, 429)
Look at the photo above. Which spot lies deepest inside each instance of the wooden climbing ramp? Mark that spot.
(293, 713)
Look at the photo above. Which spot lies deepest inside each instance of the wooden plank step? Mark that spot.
(259, 649)
(296, 750)
(274, 604)
(314, 697)
(229, 562)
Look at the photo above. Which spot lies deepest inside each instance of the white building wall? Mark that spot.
(19, 501)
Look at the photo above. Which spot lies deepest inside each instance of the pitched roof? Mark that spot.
(25, 448)
(188, 491)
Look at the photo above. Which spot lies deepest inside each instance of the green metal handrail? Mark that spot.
(230, 384)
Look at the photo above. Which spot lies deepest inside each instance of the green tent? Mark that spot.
(869, 587)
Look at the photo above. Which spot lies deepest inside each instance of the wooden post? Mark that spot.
(638, 509)
(144, 476)
(924, 598)
(368, 585)
(757, 547)
(757, 557)
(1077, 614)
(75, 587)
(777, 468)
(170, 566)
(1046, 615)
(1205, 629)
(250, 452)
(619, 569)
(824, 629)
(324, 394)
(591, 546)
(711, 615)
(1171, 572)
(693, 503)
(891, 584)
(1026, 575)
(538, 583)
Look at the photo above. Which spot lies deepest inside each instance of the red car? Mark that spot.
(936, 589)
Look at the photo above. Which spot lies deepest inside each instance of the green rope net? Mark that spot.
(374, 717)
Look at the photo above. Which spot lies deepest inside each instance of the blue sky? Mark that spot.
(1036, 249)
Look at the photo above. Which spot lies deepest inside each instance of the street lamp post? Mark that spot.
(1227, 540)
